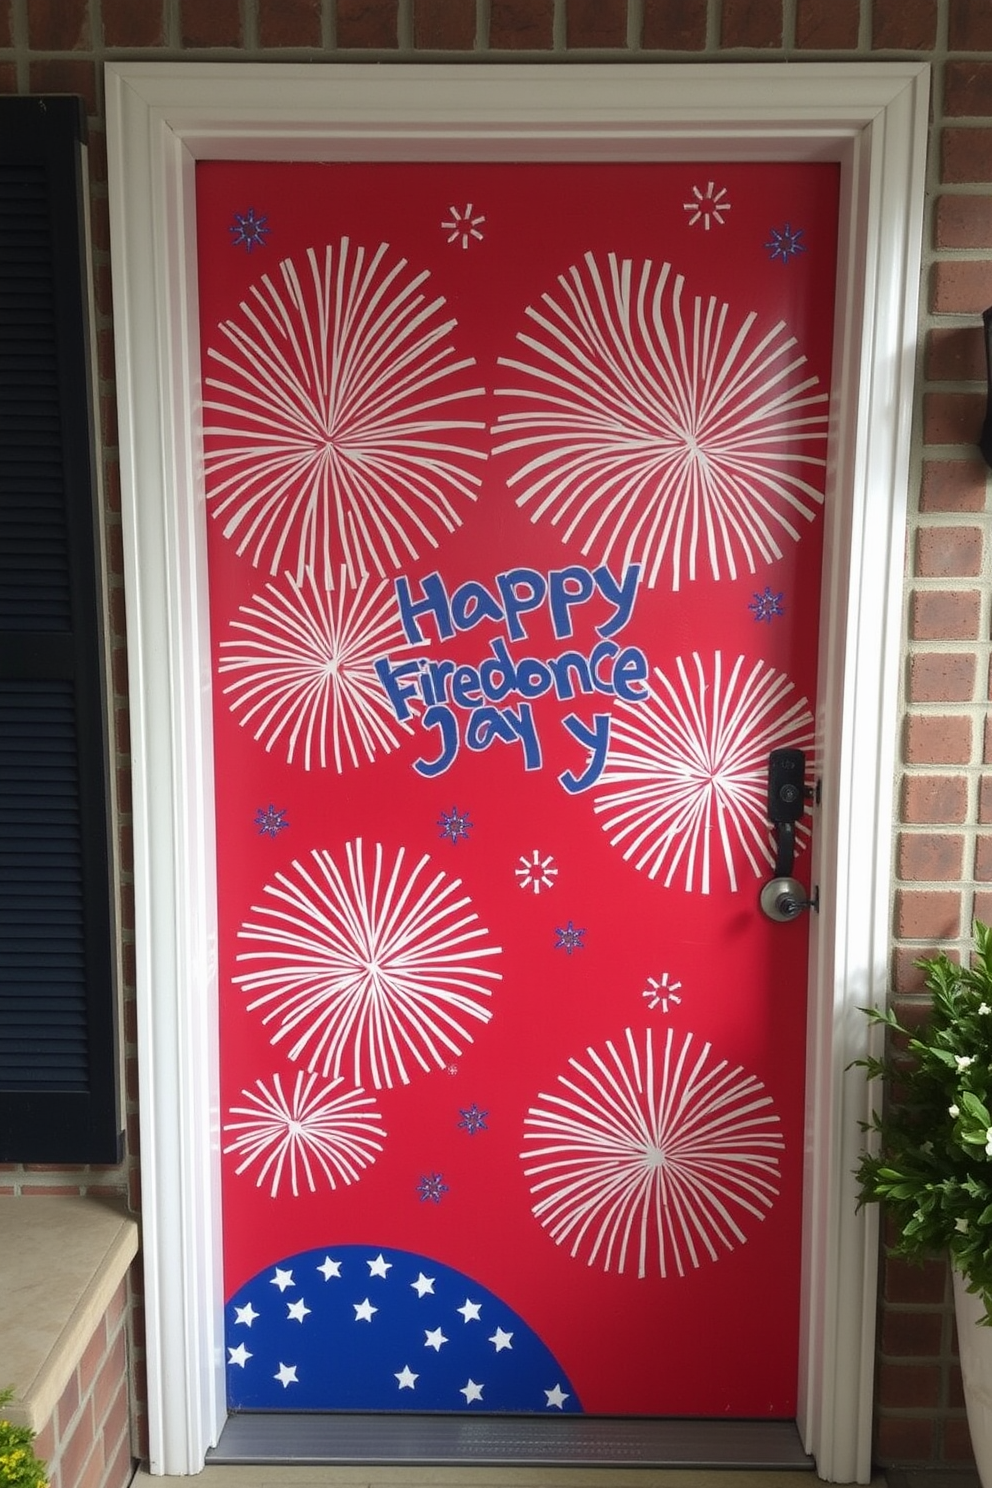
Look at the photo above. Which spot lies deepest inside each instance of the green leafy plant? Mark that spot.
(19, 1467)
(931, 1166)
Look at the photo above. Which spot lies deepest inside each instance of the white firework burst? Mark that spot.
(653, 1168)
(651, 432)
(332, 431)
(686, 773)
(305, 1135)
(367, 967)
(305, 670)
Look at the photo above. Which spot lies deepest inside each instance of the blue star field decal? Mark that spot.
(454, 824)
(350, 1328)
(249, 231)
(473, 1120)
(785, 243)
(767, 606)
(432, 1186)
(270, 821)
(569, 939)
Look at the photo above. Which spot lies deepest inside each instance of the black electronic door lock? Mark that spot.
(783, 898)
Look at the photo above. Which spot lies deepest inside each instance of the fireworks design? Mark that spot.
(569, 938)
(270, 820)
(332, 435)
(767, 606)
(454, 824)
(463, 225)
(639, 1166)
(304, 662)
(536, 872)
(708, 206)
(656, 432)
(432, 1188)
(366, 968)
(661, 992)
(473, 1120)
(686, 771)
(308, 1134)
(249, 230)
(785, 243)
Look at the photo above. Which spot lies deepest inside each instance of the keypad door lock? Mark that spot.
(784, 898)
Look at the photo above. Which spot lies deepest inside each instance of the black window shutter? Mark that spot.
(59, 1083)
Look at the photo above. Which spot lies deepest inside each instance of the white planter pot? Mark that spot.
(975, 1351)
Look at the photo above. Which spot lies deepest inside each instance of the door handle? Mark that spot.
(783, 897)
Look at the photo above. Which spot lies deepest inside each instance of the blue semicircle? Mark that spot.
(355, 1328)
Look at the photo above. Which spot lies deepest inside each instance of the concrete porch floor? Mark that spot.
(482, 1477)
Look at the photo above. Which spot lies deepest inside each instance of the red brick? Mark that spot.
(674, 25)
(941, 740)
(968, 89)
(907, 1281)
(65, 77)
(981, 908)
(111, 1380)
(77, 1448)
(956, 354)
(58, 25)
(68, 1404)
(945, 615)
(909, 1385)
(953, 418)
(969, 26)
(934, 800)
(965, 155)
(904, 25)
(289, 23)
(120, 1467)
(985, 800)
(983, 859)
(444, 25)
(521, 25)
(215, 25)
(948, 552)
(941, 678)
(901, 1439)
(126, 24)
(367, 23)
(953, 485)
(926, 914)
(751, 23)
(929, 857)
(911, 1334)
(830, 26)
(595, 23)
(963, 221)
(957, 1441)
(8, 77)
(960, 286)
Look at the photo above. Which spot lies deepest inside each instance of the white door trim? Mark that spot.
(161, 118)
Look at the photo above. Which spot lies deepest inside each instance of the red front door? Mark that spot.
(514, 486)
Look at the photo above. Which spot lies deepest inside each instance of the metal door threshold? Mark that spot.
(578, 1441)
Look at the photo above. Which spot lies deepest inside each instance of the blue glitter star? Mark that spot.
(767, 606)
(270, 821)
(785, 243)
(249, 231)
(454, 825)
(473, 1120)
(432, 1187)
(569, 939)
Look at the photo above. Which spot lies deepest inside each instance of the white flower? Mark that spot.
(954, 1112)
(988, 1142)
(961, 1225)
(983, 1007)
(964, 1061)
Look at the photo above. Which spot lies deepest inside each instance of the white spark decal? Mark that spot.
(305, 671)
(365, 967)
(707, 206)
(652, 1169)
(464, 225)
(332, 436)
(686, 773)
(662, 992)
(536, 872)
(651, 433)
(305, 1135)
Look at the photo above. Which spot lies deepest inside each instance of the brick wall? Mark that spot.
(942, 796)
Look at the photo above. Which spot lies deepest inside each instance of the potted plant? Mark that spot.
(19, 1467)
(929, 1163)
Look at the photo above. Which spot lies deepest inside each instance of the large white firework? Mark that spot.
(652, 432)
(304, 670)
(312, 1132)
(333, 430)
(685, 784)
(366, 967)
(652, 1166)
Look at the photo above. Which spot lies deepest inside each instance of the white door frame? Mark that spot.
(161, 118)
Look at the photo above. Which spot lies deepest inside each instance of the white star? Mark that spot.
(557, 1396)
(470, 1310)
(434, 1340)
(364, 1310)
(298, 1310)
(286, 1375)
(407, 1377)
(379, 1266)
(239, 1355)
(282, 1279)
(471, 1391)
(501, 1339)
(423, 1284)
(246, 1314)
(329, 1268)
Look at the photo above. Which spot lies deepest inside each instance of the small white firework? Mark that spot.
(367, 967)
(311, 1133)
(305, 674)
(652, 433)
(686, 776)
(653, 1169)
(332, 429)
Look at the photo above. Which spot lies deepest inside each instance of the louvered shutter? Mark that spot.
(59, 1096)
